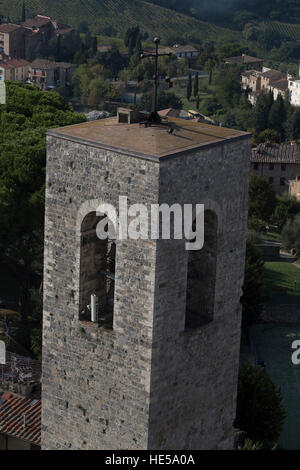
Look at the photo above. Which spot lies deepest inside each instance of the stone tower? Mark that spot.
(159, 369)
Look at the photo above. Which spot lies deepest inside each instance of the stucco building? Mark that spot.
(294, 187)
(159, 368)
(48, 74)
(12, 40)
(14, 69)
(279, 163)
(28, 39)
(246, 61)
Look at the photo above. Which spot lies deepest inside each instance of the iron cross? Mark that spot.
(154, 116)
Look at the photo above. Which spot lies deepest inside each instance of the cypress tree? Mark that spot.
(58, 48)
(23, 12)
(196, 85)
(189, 88)
(261, 112)
(277, 116)
(95, 45)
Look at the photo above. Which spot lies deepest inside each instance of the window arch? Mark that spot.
(97, 274)
(201, 276)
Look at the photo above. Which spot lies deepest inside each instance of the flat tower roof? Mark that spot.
(153, 142)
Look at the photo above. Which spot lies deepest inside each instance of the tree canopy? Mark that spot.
(262, 198)
(24, 120)
(253, 289)
(260, 413)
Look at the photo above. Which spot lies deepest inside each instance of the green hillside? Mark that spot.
(120, 14)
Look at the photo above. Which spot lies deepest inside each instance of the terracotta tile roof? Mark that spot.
(243, 59)
(21, 417)
(14, 63)
(48, 64)
(273, 75)
(8, 27)
(43, 64)
(276, 153)
(37, 21)
(282, 85)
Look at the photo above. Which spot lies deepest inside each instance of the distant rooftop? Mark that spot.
(243, 59)
(282, 84)
(21, 417)
(153, 142)
(37, 21)
(49, 64)
(14, 63)
(8, 27)
(273, 74)
(251, 73)
(276, 153)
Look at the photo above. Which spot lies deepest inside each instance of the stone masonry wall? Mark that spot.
(194, 374)
(147, 383)
(95, 382)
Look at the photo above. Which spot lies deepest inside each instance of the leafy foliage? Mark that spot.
(287, 207)
(253, 289)
(23, 124)
(260, 413)
(164, 100)
(291, 235)
(262, 198)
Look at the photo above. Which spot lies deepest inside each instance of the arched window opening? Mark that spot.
(97, 274)
(201, 277)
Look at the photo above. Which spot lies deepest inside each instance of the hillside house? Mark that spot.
(253, 95)
(47, 26)
(269, 77)
(182, 52)
(279, 163)
(280, 87)
(257, 82)
(47, 74)
(294, 188)
(251, 80)
(185, 52)
(15, 70)
(246, 61)
(294, 90)
(26, 40)
(12, 40)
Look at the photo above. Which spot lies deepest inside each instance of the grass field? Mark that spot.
(280, 284)
(273, 346)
